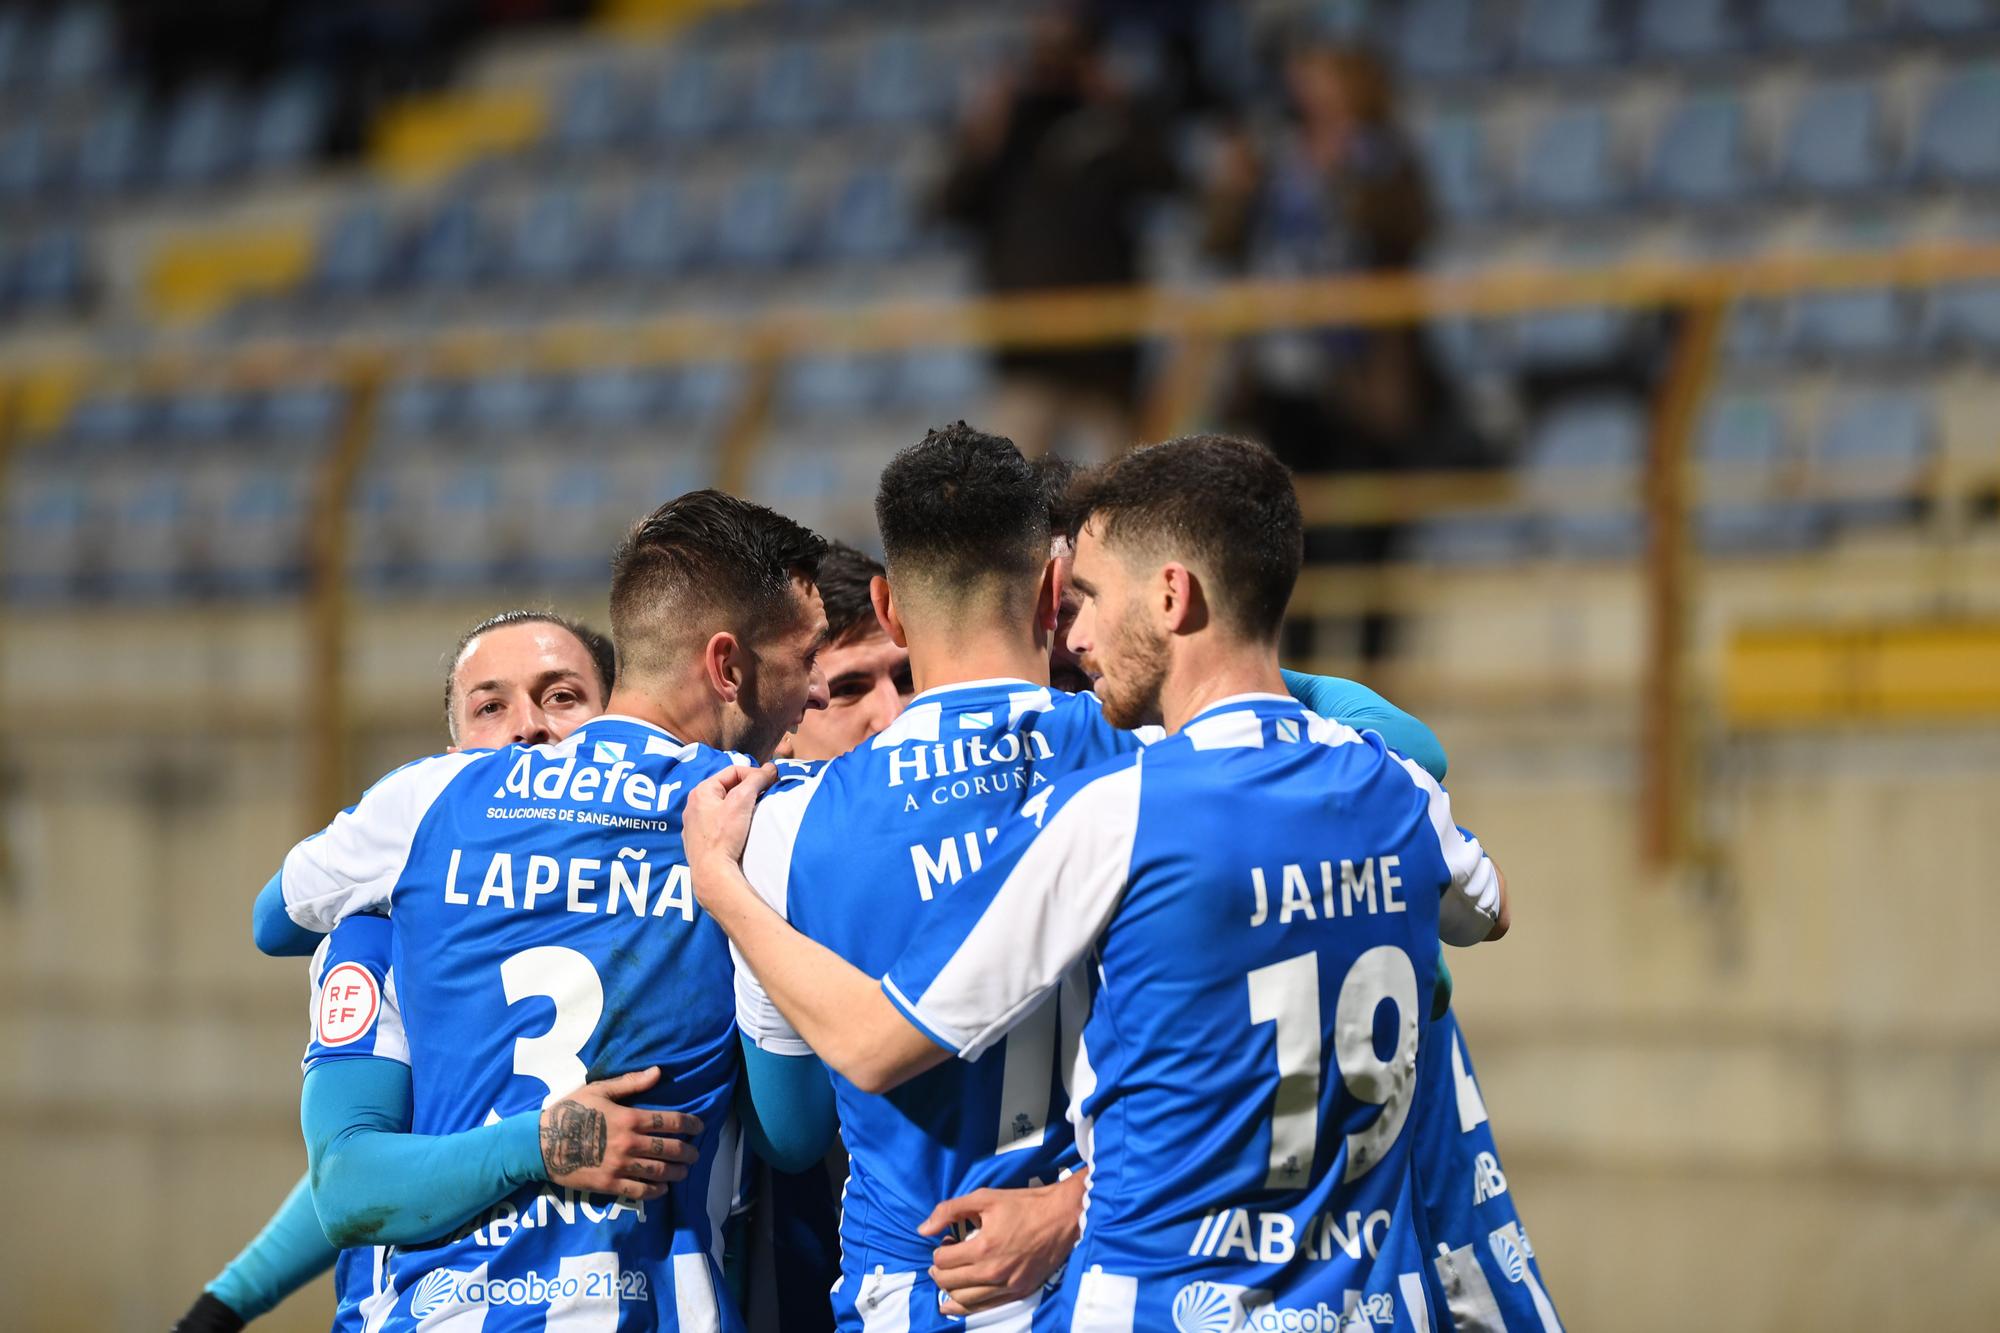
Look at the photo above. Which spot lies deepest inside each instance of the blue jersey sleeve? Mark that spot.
(1355, 705)
(289, 1252)
(354, 1009)
(1006, 937)
(375, 1183)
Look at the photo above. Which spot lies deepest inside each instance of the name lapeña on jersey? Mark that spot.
(587, 884)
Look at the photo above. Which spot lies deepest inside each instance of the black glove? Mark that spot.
(209, 1315)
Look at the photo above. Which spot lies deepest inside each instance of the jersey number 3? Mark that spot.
(1286, 995)
(567, 978)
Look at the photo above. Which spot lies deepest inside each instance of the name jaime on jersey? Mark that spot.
(1372, 887)
(586, 884)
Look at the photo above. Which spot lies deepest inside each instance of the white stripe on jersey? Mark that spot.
(589, 1307)
(1415, 1303)
(1105, 1303)
(883, 1302)
(354, 865)
(1041, 920)
(1466, 1292)
(391, 1041)
(695, 1310)
(767, 864)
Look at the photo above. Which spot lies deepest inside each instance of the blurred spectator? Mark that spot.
(1340, 190)
(1051, 167)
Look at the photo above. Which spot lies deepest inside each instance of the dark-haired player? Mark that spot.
(858, 854)
(544, 935)
(519, 676)
(867, 674)
(1241, 920)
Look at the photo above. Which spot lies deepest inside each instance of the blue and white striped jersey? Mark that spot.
(545, 934)
(1256, 905)
(1484, 1263)
(354, 1014)
(857, 856)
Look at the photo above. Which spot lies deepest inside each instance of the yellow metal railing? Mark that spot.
(1193, 322)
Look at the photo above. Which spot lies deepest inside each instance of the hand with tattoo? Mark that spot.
(591, 1141)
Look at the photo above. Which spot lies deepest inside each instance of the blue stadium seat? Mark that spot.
(900, 80)
(1449, 38)
(16, 45)
(48, 534)
(258, 543)
(821, 387)
(577, 505)
(1570, 339)
(419, 406)
(1690, 29)
(300, 416)
(1815, 22)
(453, 248)
(1454, 151)
(1966, 317)
(111, 156)
(78, 46)
(205, 415)
(761, 222)
(152, 511)
(1878, 441)
(1957, 141)
(53, 270)
(459, 516)
(288, 124)
(791, 88)
(203, 140)
(1836, 140)
(703, 392)
(358, 252)
(592, 112)
(1471, 538)
(1569, 164)
(1870, 324)
(1744, 439)
(657, 234)
(940, 379)
(1702, 157)
(27, 167)
(1953, 18)
(872, 217)
(1588, 441)
(553, 239)
(1568, 33)
(111, 420)
(499, 406)
(698, 97)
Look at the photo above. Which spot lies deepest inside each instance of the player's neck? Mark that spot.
(686, 715)
(954, 655)
(1204, 674)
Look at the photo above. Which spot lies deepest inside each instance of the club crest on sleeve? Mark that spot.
(349, 1000)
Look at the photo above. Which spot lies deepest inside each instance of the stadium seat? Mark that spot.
(697, 97)
(1957, 141)
(553, 239)
(1744, 441)
(204, 415)
(1836, 139)
(504, 405)
(152, 511)
(16, 36)
(871, 217)
(591, 113)
(577, 506)
(791, 88)
(1965, 317)
(1952, 18)
(27, 167)
(1570, 339)
(78, 46)
(1568, 33)
(760, 222)
(1588, 442)
(258, 543)
(111, 155)
(110, 420)
(453, 248)
(657, 233)
(48, 534)
(357, 253)
(288, 125)
(1870, 324)
(1569, 164)
(299, 416)
(820, 387)
(1816, 22)
(901, 80)
(419, 406)
(53, 270)
(1879, 443)
(1449, 38)
(940, 379)
(203, 138)
(703, 392)
(618, 398)
(1454, 151)
(1701, 157)
(459, 518)
(1690, 29)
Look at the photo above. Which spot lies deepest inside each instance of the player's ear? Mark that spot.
(1048, 597)
(725, 662)
(1184, 610)
(885, 611)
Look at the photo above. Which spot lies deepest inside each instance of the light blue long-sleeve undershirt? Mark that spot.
(1359, 707)
(289, 1252)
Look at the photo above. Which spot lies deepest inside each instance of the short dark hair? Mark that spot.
(1059, 476)
(597, 645)
(1222, 502)
(700, 563)
(960, 506)
(844, 578)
